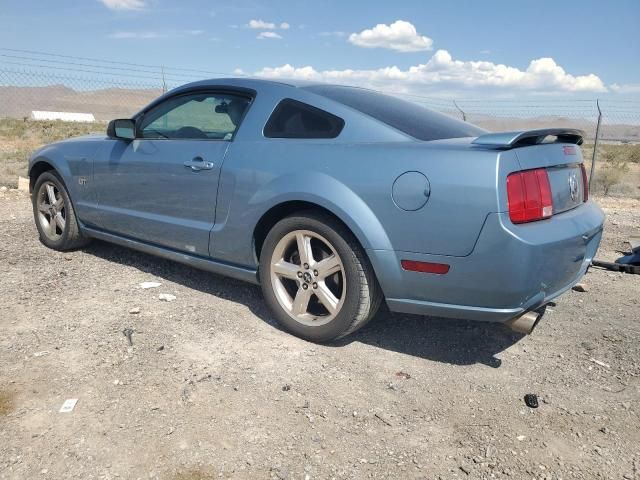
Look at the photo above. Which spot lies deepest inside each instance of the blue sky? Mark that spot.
(578, 48)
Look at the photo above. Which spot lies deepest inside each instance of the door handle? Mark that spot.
(198, 163)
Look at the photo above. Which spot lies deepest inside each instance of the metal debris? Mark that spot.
(128, 332)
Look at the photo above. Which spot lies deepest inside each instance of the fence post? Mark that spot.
(464, 115)
(595, 146)
(164, 83)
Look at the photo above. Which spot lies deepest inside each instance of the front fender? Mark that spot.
(73, 162)
(48, 154)
(54, 160)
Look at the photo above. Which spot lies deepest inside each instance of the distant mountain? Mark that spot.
(110, 103)
(105, 104)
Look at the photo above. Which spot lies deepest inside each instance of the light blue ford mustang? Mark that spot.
(333, 199)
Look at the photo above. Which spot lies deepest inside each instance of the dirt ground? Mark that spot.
(211, 388)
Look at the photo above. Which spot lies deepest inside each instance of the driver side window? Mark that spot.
(202, 116)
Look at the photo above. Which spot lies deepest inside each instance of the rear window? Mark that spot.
(293, 119)
(414, 120)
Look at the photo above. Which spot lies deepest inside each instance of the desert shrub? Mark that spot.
(18, 138)
(611, 174)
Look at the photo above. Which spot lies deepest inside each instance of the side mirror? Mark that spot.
(123, 128)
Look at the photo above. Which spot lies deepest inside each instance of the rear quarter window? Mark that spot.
(294, 119)
(414, 120)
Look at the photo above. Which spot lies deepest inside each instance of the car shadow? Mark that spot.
(452, 341)
(445, 340)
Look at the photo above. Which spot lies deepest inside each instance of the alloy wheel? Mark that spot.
(307, 277)
(52, 214)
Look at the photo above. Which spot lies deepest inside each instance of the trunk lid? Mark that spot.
(563, 165)
(554, 149)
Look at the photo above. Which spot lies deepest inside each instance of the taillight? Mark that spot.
(529, 196)
(585, 183)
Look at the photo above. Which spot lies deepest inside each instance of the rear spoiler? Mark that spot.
(529, 137)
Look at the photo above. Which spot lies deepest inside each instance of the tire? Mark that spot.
(51, 203)
(341, 293)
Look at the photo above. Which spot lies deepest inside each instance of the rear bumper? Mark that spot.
(512, 269)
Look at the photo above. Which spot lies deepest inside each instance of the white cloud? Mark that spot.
(194, 32)
(445, 73)
(626, 88)
(265, 35)
(261, 25)
(400, 35)
(140, 35)
(124, 4)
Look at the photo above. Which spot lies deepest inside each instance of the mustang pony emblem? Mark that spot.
(573, 187)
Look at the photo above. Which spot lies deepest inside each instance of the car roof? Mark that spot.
(246, 83)
(250, 82)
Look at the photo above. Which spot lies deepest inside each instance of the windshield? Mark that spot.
(410, 118)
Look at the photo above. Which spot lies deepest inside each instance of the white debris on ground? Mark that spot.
(68, 405)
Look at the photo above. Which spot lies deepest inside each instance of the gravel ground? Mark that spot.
(211, 388)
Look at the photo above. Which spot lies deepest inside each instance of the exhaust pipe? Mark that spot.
(525, 323)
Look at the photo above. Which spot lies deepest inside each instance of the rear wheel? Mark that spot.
(316, 279)
(54, 214)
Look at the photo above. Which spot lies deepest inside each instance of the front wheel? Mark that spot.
(316, 278)
(54, 214)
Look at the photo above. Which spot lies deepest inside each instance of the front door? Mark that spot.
(161, 188)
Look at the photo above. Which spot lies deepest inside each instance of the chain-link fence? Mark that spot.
(32, 81)
(108, 95)
(108, 89)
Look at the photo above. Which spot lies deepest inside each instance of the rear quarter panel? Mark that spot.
(355, 182)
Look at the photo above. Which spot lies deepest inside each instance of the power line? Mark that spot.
(113, 62)
(56, 62)
(90, 71)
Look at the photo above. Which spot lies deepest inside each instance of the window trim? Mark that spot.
(317, 90)
(308, 107)
(238, 91)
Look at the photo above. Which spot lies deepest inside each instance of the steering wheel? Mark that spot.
(189, 132)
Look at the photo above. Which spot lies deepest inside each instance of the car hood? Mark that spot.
(84, 138)
(67, 145)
